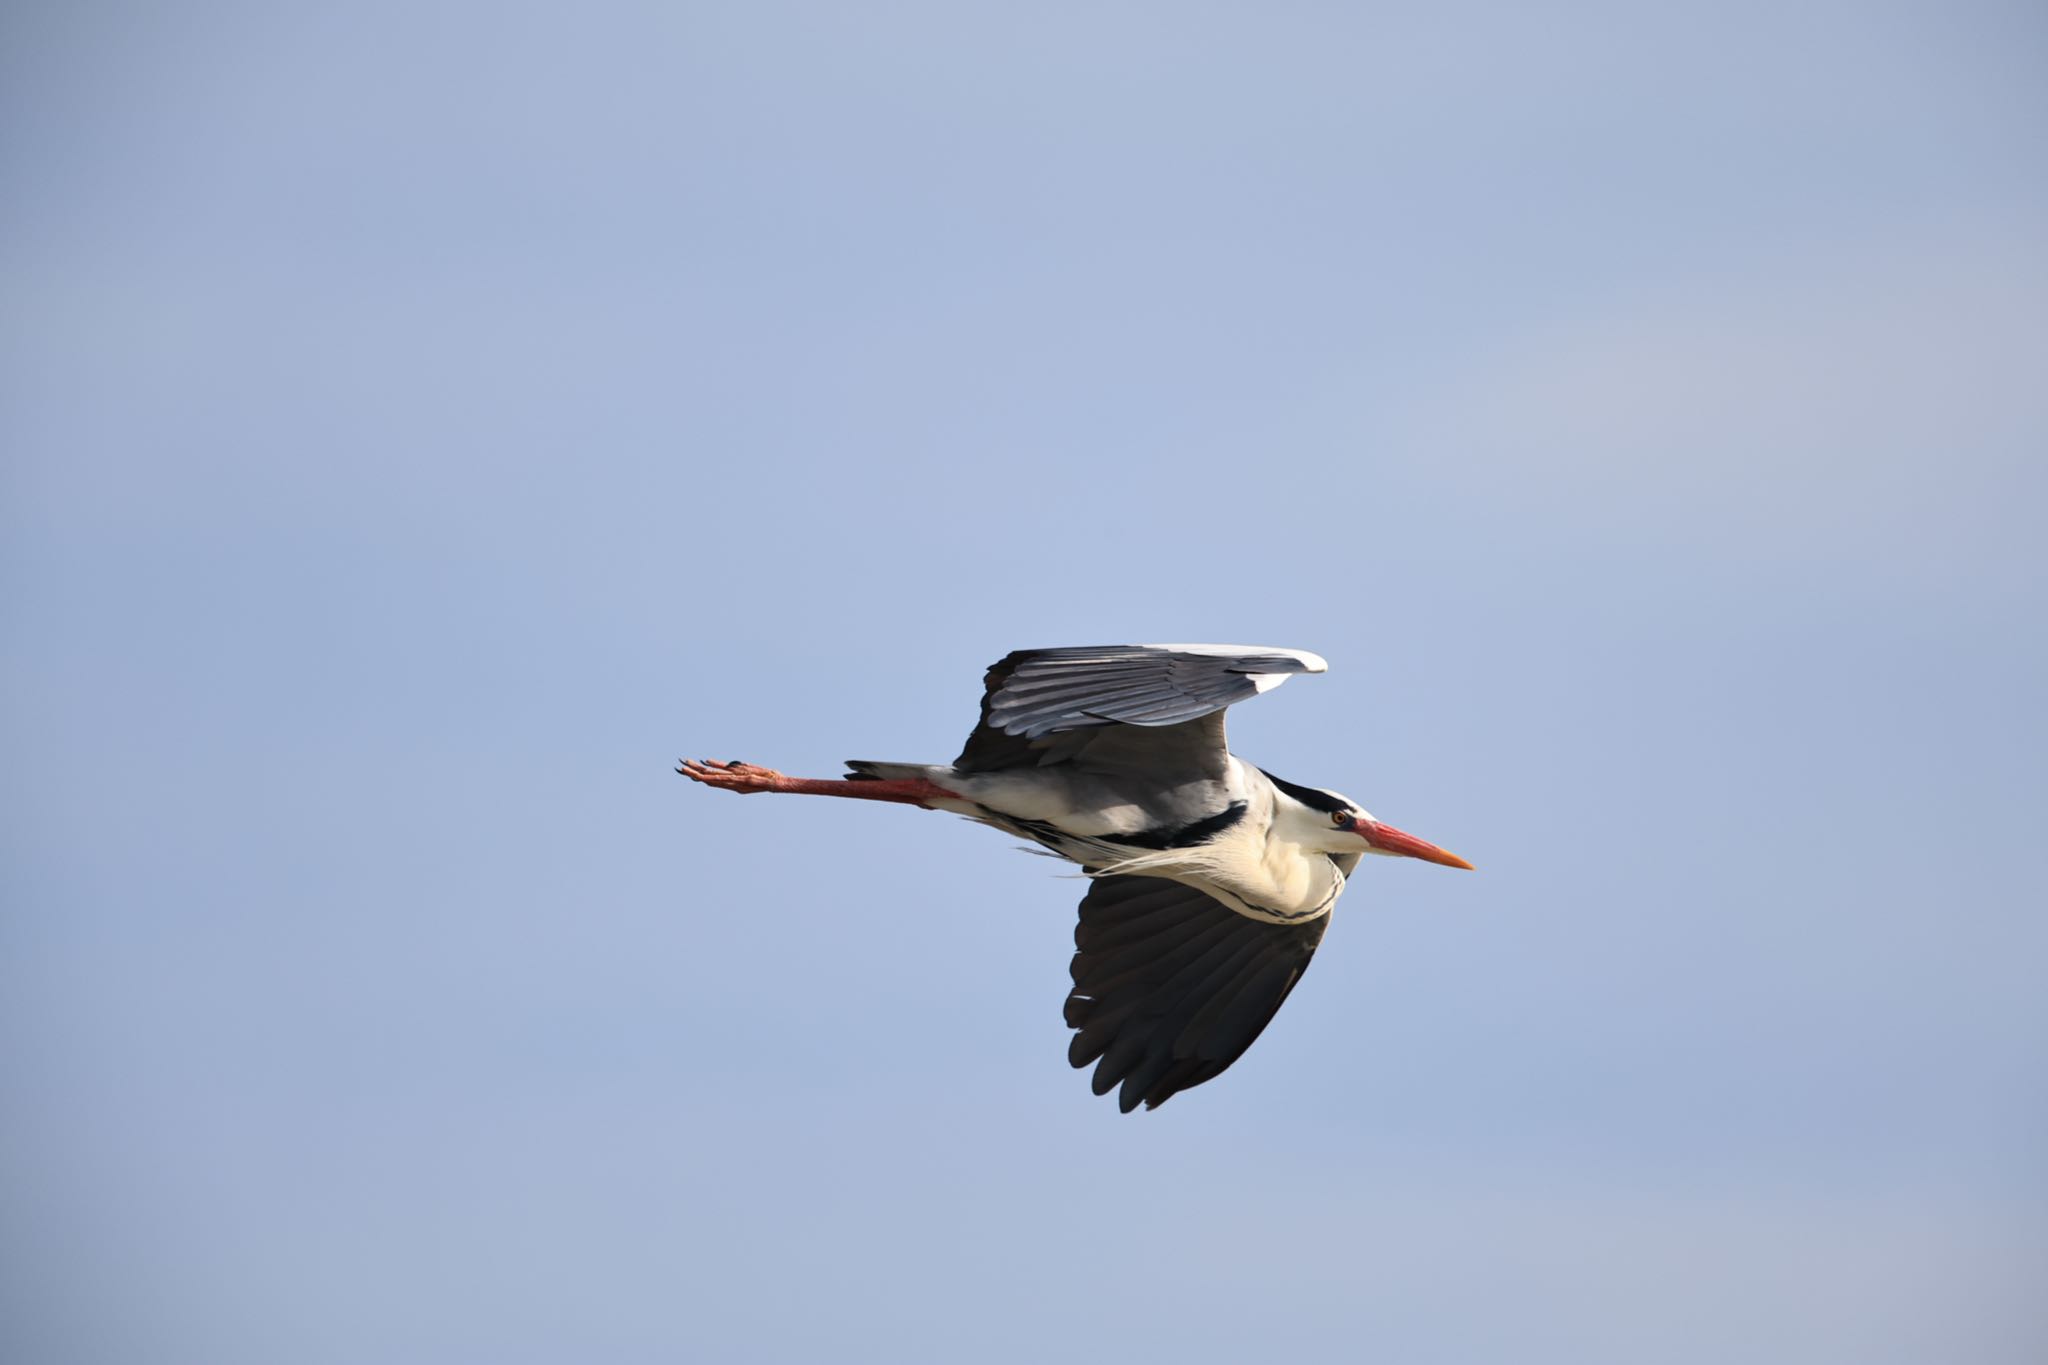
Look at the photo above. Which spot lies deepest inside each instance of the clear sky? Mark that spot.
(424, 422)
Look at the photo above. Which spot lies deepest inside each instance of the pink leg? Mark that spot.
(746, 779)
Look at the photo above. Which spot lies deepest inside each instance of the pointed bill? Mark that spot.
(1387, 839)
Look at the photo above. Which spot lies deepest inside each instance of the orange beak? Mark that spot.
(1387, 839)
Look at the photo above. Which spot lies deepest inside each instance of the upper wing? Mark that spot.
(1171, 985)
(1035, 694)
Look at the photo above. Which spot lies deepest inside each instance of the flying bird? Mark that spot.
(1211, 881)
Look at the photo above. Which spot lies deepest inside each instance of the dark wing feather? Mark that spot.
(1171, 985)
(1034, 697)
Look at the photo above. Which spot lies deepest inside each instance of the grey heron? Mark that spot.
(1211, 880)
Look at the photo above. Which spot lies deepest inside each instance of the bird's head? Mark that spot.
(1329, 823)
(1379, 837)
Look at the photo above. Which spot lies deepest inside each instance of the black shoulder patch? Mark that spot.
(1182, 836)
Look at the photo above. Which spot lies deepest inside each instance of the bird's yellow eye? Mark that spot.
(1340, 818)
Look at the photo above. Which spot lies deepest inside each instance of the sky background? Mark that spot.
(424, 422)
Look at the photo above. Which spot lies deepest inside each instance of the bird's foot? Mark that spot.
(744, 778)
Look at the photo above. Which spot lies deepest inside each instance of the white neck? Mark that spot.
(1270, 866)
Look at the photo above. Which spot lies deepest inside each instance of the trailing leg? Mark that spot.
(748, 778)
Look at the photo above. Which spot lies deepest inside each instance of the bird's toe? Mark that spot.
(733, 776)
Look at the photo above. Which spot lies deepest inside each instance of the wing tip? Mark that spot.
(1310, 662)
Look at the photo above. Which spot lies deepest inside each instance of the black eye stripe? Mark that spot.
(1309, 796)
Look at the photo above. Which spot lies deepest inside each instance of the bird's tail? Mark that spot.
(860, 770)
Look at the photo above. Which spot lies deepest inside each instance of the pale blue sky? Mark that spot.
(425, 422)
